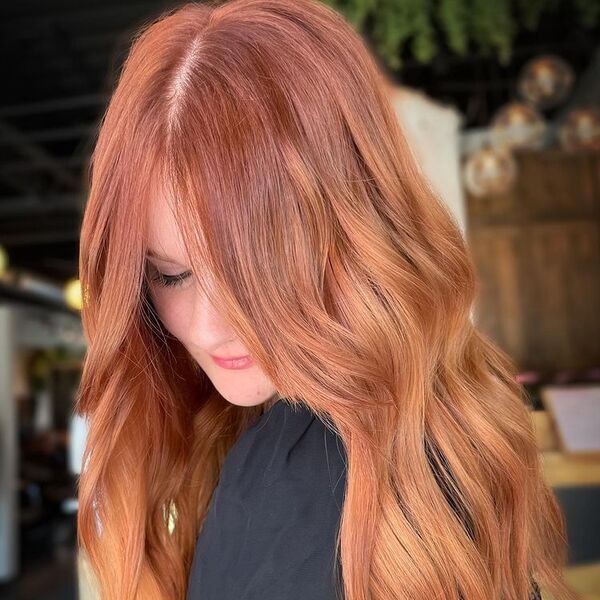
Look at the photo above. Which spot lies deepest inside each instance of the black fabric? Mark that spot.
(272, 522)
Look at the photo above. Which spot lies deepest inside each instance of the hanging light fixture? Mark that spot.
(72, 293)
(546, 81)
(490, 171)
(581, 129)
(3, 261)
(518, 125)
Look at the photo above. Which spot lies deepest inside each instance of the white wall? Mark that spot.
(433, 132)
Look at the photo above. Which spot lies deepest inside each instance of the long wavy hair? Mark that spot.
(347, 279)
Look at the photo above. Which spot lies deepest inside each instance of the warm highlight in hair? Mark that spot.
(347, 279)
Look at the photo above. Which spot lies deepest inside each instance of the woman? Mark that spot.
(252, 195)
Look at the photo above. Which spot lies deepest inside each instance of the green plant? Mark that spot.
(422, 25)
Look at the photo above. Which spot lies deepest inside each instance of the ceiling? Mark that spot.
(60, 60)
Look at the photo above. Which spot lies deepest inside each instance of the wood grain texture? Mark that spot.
(537, 255)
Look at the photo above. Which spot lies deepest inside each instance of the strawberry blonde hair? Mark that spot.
(268, 123)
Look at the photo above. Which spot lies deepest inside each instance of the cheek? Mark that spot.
(174, 310)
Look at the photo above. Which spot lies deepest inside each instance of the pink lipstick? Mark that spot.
(235, 362)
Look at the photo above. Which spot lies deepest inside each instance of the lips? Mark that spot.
(236, 362)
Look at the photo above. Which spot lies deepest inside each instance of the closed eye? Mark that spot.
(169, 280)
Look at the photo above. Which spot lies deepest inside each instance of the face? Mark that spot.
(187, 313)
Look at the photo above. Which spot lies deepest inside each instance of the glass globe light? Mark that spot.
(546, 81)
(489, 171)
(581, 129)
(518, 125)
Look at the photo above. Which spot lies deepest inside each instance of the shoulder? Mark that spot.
(287, 446)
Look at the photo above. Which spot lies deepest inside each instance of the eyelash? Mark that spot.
(170, 280)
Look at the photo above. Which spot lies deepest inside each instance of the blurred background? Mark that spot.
(500, 100)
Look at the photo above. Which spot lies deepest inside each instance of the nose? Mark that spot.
(208, 329)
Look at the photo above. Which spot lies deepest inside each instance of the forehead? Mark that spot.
(162, 230)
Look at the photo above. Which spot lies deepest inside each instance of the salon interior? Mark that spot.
(500, 103)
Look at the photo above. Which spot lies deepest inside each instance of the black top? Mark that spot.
(272, 521)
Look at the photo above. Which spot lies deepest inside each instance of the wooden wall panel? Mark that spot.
(557, 185)
(500, 311)
(537, 252)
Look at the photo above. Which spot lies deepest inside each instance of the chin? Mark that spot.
(245, 387)
(249, 401)
(242, 403)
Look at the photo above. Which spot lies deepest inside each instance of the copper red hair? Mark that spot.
(268, 125)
